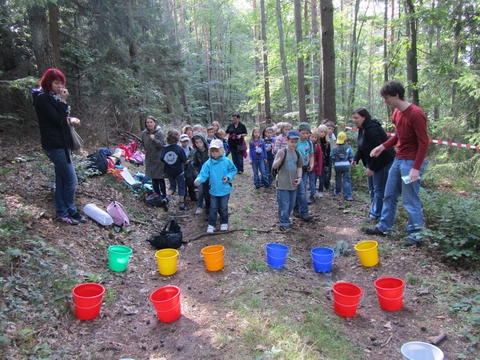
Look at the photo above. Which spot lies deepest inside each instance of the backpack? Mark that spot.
(168, 239)
(277, 170)
(153, 199)
(98, 162)
(118, 214)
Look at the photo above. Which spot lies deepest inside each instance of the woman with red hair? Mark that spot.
(53, 112)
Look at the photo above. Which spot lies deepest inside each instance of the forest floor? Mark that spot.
(228, 314)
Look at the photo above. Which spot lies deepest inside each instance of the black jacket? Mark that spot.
(52, 117)
(369, 137)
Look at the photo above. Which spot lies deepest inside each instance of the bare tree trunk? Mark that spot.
(456, 49)
(53, 15)
(281, 40)
(266, 80)
(302, 110)
(314, 14)
(412, 69)
(258, 65)
(41, 44)
(207, 68)
(328, 60)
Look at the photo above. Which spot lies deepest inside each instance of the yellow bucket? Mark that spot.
(214, 257)
(167, 261)
(367, 252)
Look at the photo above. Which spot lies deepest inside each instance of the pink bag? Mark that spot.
(118, 214)
(137, 157)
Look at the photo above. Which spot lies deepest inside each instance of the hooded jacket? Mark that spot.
(214, 171)
(370, 136)
(199, 157)
(52, 118)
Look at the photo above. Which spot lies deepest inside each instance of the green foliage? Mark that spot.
(453, 223)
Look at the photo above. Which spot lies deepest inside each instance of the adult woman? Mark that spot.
(236, 143)
(370, 135)
(153, 140)
(52, 111)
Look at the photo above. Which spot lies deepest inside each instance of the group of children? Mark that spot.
(197, 158)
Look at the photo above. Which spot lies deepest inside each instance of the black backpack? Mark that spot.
(98, 162)
(168, 239)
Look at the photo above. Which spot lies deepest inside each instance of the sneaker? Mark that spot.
(375, 231)
(165, 204)
(410, 242)
(198, 211)
(182, 208)
(258, 186)
(336, 193)
(311, 200)
(240, 172)
(223, 227)
(297, 214)
(210, 229)
(348, 198)
(69, 220)
(306, 217)
(79, 218)
(319, 194)
(285, 228)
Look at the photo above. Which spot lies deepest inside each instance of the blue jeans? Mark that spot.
(65, 181)
(218, 204)
(268, 170)
(180, 181)
(347, 184)
(285, 199)
(259, 166)
(301, 205)
(410, 199)
(312, 182)
(378, 182)
(237, 159)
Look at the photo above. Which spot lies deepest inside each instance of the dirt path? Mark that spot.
(127, 326)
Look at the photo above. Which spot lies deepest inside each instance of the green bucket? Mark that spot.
(118, 257)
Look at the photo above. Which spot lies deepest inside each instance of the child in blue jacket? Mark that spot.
(219, 170)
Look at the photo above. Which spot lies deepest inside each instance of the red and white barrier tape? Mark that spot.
(441, 142)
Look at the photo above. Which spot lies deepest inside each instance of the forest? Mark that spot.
(198, 61)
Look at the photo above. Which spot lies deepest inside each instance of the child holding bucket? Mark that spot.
(290, 163)
(219, 171)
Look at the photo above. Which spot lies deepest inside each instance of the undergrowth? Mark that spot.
(453, 223)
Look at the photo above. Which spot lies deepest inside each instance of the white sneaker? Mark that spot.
(320, 194)
(210, 229)
(198, 211)
(224, 227)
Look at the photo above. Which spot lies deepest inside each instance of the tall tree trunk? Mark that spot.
(283, 60)
(220, 81)
(41, 44)
(456, 49)
(53, 16)
(302, 110)
(412, 69)
(354, 57)
(385, 43)
(258, 65)
(328, 61)
(208, 69)
(307, 35)
(314, 66)
(266, 79)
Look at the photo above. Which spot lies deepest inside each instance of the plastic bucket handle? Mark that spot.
(90, 307)
(224, 253)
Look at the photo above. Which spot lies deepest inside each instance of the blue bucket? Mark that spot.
(276, 255)
(322, 259)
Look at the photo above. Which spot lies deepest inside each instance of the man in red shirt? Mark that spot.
(411, 139)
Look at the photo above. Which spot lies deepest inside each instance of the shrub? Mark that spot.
(453, 223)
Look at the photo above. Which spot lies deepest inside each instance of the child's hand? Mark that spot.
(265, 161)
(225, 179)
(196, 183)
(297, 181)
(249, 161)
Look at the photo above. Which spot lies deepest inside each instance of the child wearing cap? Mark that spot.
(174, 157)
(306, 149)
(341, 156)
(289, 163)
(219, 171)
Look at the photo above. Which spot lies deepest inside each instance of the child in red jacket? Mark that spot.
(317, 165)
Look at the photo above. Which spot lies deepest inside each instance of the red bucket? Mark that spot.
(346, 297)
(390, 293)
(167, 303)
(88, 300)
